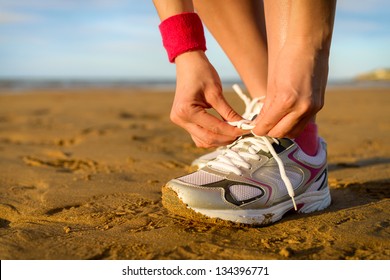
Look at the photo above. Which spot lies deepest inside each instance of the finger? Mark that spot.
(207, 139)
(223, 108)
(199, 142)
(267, 119)
(215, 125)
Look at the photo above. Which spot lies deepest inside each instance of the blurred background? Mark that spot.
(118, 41)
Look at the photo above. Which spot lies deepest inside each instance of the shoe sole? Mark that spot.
(306, 202)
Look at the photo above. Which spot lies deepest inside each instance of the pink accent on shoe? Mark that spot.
(308, 139)
(313, 171)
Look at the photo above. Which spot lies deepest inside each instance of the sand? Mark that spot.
(82, 172)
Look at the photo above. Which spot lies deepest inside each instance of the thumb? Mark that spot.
(225, 110)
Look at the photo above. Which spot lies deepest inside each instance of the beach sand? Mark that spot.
(82, 171)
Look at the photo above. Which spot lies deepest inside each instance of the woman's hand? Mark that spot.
(199, 88)
(295, 92)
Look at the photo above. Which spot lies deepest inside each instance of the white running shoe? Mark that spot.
(255, 180)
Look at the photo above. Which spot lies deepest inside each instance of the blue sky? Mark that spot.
(120, 39)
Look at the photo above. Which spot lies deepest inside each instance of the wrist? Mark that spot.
(182, 33)
(190, 57)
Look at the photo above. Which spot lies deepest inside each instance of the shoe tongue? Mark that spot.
(252, 118)
(284, 143)
(242, 146)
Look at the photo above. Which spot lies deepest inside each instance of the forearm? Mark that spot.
(167, 8)
(311, 23)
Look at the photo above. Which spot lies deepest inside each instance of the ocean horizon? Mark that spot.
(24, 84)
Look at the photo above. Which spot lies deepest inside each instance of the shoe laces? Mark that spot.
(238, 154)
(251, 110)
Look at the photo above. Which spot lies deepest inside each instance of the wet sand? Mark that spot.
(82, 171)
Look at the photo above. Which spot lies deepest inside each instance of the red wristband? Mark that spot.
(182, 33)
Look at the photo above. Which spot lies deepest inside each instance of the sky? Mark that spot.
(119, 39)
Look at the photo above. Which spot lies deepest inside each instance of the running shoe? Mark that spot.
(252, 109)
(255, 180)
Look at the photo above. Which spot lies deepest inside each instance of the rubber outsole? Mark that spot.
(307, 203)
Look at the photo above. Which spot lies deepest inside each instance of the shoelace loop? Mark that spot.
(250, 104)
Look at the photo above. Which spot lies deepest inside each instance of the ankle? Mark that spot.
(308, 139)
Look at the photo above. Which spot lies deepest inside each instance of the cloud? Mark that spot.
(66, 5)
(357, 26)
(361, 6)
(122, 25)
(18, 17)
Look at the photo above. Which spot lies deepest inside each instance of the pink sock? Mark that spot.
(308, 139)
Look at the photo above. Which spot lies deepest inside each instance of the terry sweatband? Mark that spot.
(182, 33)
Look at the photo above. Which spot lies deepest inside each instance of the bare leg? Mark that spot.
(278, 20)
(239, 27)
(299, 35)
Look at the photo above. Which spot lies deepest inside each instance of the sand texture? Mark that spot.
(81, 173)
